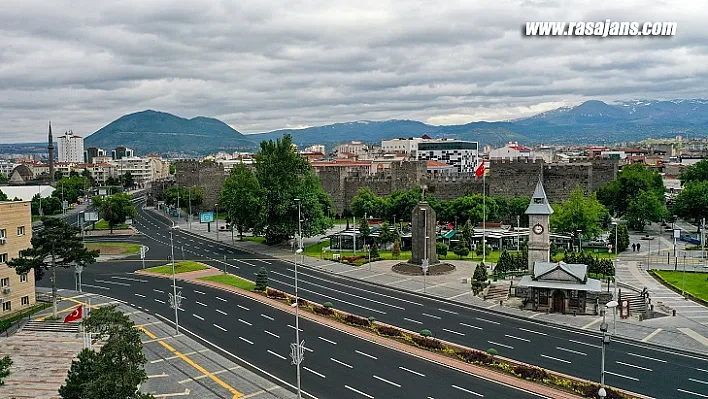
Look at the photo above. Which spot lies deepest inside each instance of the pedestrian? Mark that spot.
(634, 247)
(638, 246)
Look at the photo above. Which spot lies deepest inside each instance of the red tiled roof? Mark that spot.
(435, 164)
(341, 162)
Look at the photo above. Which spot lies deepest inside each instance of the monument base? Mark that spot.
(411, 269)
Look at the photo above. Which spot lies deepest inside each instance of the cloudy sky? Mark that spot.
(264, 65)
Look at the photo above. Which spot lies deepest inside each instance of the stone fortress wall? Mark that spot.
(207, 175)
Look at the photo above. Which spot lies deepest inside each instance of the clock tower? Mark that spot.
(539, 212)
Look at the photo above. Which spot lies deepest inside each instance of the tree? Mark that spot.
(127, 180)
(505, 263)
(386, 235)
(115, 209)
(441, 249)
(364, 228)
(622, 238)
(510, 208)
(80, 375)
(647, 207)
(368, 203)
(71, 188)
(461, 251)
(57, 244)
(3, 196)
(193, 196)
(374, 251)
(617, 194)
(401, 203)
(173, 169)
(5, 364)
(262, 279)
(112, 181)
(467, 234)
(579, 212)
(3, 178)
(285, 175)
(695, 173)
(396, 250)
(241, 197)
(479, 278)
(49, 205)
(692, 201)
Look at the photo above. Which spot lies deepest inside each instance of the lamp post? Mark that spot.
(676, 232)
(217, 221)
(605, 340)
(297, 348)
(175, 298)
(189, 217)
(580, 240)
(425, 248)
(518, 233)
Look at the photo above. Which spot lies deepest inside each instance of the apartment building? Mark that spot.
(70, 148)
(16, 291)
(463, 155)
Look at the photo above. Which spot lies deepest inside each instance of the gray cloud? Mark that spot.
(265, 65)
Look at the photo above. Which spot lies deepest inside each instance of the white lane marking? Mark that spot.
(314, 372)
(198, 317)
(359, 392)
(555, 358)
(221, 299)
(293, 327)
(705, 371)
(513, 337)
(387, 381)
(267, 317)
(622, 375)
(219, 327)
(453, 332)
(275, 354)
(160, 291)
(646, 357)
(137, 280)
(411, 371)
(112, 282)
(340, 362)
(632, 365)
(199, 292)
(199, 303)
(243, 307)
(432, 316)
(271, 334)
(245, 340)
(222, 312)
(337, 299)
(532, 331)
(327, 340)
(488, 321)
(468, 391)
(136, 294)
(584, 343)
(448, 311)
(260, 260)
(367, 355)
(412, 321)
(698, 381)
(497, 343)
(160, 301)
(245, 322)
(692, 393)
(571, 351)
(471, 326)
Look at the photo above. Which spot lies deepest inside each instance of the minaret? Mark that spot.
(539, 212)
(50, 147)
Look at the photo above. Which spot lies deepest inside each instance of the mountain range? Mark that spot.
(592, 122)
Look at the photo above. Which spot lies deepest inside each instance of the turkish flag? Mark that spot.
(77, 314)
(479, 172)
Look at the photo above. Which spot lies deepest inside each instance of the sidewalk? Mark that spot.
(680, 332)
(177, 366)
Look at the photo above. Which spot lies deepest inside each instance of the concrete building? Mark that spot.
(92, 152)
(70, 148)
(511, 151)
(315, 149)
(122, 152)
(6, 167)
(407, 146)
(143, 170)
(16, 291)
(463, 155)
(355, 148)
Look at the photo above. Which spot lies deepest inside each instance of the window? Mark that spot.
(3, 258)
(543, 296)
(25, 300)
(6, 307)
(3, 233)
(5, 282)
(20, 231)
(23, 277)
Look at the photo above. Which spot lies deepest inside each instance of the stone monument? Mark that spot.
(423, 225)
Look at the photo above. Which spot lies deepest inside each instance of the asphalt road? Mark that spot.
(639, 368)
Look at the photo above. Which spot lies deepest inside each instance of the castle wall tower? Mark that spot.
(50, 148)
(539, 212)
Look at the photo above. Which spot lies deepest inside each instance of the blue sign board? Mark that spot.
(206, 217)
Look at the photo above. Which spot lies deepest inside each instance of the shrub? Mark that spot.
(321, 310)
(372, 319)
(531, 373)
(275, 294)
(426, 333)
(461, 251)
(396, 251)
(428, 343)
(441, 249)
(328, 305)
(389, 331)
(473, 356)
(356, 320)
(492, 352)
(262, 279)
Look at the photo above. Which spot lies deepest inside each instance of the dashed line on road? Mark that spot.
(692, 393)
(471, 326)
(621, 375)
(555, 358)
(139, 295)
(411, 371)
(222, 312)
(488, 321)
(387, 381)
(453, 331)
(366, 355)
(532, 331)
(267, 317)
(412, 321)
(327, 340)
(502, 345)
(633, 365)
(468, 391)
(314, 372)
(340, 362)
(219, 327)
(518, 338)
(198, 317)
(571, 351)
(245, 340)
(359, 392)
(276, 355)
(245, 322)
(271, 334)
(646, 357)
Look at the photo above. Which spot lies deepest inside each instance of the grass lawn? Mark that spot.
(114, 248)
(696, 283)
(598, 253)
(180, 267)
(231, 280)
(256, 239)
(103, 225)
(36, 218)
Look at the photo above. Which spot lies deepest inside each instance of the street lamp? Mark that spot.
(297, 348)
(425, 247)
(580, 240)
(217, 221)
(614, 314)
(605, 341)
(175, 298)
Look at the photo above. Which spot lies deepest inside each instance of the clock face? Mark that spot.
(538, 229)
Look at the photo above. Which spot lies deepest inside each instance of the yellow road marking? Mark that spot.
(189, 361)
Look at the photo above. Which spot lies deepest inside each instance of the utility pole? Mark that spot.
(189, 217)
(703, 241)
(217, 221)
(354, 235)
(518, 233)
(175, 298)
(297, 349)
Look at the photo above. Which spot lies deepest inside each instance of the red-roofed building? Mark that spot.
(439, 168)
(345, 164)
(511, 151)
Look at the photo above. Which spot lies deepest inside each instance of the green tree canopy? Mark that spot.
(5, 364)
(622, 237)
(3, 178)
(467, 234)
(579, 212)
(469, 207)
(3, 196)
(127, 180)
(71, 188)
(56, 244)
(695, 173)
(285, 175)
(185, 196)
(617, 194)
(692, 201)
(241, 197)
(115, 209)
(401, 203)
(49, 205)
(368, 203)
(509, 208)
(364, 228)
(645, 208)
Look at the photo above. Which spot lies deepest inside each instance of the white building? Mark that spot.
(353, 148)
(407, 146)
(315, 149)
(511, 151)
(463, 155)
(70, 148)
(143, 170)
(6, 167)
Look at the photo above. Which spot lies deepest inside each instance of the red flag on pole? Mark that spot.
(479, 172)
(77, 314)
